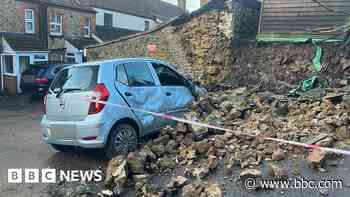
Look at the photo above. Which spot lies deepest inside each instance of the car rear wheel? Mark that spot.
(62, 148)
(123, 139)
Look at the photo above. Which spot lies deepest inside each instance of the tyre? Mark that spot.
(62, 148)
(122, 140)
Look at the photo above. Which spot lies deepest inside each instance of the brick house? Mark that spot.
(40, 30)
(59, 30)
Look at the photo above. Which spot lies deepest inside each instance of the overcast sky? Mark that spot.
(191, 4)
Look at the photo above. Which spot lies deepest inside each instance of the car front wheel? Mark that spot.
(123, 139)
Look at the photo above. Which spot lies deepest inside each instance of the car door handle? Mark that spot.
(128, 94)
(168, 94)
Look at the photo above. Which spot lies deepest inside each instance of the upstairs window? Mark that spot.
(108, 20)
(147, 24)
(87, 28)
(29, 21)
(56, 25)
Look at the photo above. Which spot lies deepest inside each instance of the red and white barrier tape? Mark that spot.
(165, 116)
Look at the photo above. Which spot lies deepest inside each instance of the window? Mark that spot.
(56, 25)
(40, 57)
(29, 21)
(168, 77)
(82, 78)
(138, 74)
(8, 62)
(70, 58)
(108, 19)
(147, 25)
(121, 74)
(87, 28)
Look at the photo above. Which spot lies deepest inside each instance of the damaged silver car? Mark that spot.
(153, 85)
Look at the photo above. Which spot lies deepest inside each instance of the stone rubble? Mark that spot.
(189, 154)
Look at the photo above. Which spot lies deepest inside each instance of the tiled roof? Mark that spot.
(24, 42)
(153, 9)
(82, 5)
(112, 33)
(81, 43)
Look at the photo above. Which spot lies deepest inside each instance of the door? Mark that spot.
(178, 95)
(24, 62)
(138, 87)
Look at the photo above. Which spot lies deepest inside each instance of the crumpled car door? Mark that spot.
(177, 95)
(137, 86)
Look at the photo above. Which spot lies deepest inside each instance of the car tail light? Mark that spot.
(45, 104)
(101, 94)
(43, 80)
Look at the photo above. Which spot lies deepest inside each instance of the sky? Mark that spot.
(191, 4)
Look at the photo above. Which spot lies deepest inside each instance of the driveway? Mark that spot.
(21, 147)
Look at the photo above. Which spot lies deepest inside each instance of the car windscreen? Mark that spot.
(82, 78)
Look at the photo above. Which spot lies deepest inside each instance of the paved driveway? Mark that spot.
(21, 147)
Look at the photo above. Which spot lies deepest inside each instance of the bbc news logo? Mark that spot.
(52, 175)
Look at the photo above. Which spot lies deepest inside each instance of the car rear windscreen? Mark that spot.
(83, 78)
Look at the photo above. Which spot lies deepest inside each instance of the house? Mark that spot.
(21, 40)
(118, 18)
(71, 25)
(41, 30)
(303, 19)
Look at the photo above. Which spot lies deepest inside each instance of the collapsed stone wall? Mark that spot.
(279, 67)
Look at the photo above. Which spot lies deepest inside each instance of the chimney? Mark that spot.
(203, 2)
(182, 4)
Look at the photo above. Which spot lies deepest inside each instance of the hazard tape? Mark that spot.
(165, 116)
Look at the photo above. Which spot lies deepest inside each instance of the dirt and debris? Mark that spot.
(186, 155)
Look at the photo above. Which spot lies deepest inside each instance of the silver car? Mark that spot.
(69, 120)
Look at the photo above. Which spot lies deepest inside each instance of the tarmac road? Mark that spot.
(21, 147)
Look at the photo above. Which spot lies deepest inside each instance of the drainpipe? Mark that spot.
(43, 24)
(1, 66)
(2, 74)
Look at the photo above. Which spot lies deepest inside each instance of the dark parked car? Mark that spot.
(38, 77)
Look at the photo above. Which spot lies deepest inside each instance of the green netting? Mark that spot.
(295, 39)
(307, 85)
(317, 59)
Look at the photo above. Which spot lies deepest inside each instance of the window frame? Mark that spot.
(26, 20)
(54, 23)
(147, 25)
(104, 20)
(71, 55)
(87, 27)
(13, 73)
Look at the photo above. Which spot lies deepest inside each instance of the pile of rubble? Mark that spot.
(188, 154)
